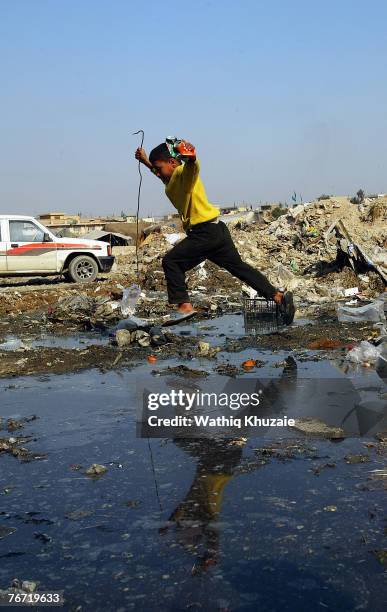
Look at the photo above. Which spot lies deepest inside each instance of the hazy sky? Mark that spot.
(277, 96)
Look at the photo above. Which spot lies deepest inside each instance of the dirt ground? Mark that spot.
(321, 336)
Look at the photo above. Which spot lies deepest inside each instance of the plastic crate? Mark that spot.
(260, 327)
(259, 309)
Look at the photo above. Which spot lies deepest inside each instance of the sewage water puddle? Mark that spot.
(210, 524)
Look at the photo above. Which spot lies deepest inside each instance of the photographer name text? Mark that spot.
(220, 421)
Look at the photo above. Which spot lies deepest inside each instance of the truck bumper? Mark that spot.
(106, 263)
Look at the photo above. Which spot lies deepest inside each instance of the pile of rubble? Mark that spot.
(83, 309)
(302, 250)
(323, 251)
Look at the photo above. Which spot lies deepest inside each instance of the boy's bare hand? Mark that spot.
(141, 156)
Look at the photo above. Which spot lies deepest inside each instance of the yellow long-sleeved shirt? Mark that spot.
(186, 192)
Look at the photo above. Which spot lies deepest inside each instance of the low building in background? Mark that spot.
(52, 218)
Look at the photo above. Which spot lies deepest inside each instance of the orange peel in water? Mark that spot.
(249, 363)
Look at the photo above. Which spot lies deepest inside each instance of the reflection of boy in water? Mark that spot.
(195, 517)
(217, 462)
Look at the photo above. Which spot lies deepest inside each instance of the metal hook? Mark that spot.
(142, 137)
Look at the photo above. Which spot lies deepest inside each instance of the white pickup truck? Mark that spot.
(28, 248)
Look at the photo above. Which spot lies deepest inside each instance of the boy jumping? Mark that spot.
(207, 236)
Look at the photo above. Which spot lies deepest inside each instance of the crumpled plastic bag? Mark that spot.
(369, 312)
(284, 278)
(130, 297)
(365, 352)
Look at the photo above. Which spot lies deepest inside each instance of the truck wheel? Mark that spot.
(83, 269)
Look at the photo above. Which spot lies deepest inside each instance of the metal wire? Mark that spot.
(137, 271)
(154, 476)
(138, 198)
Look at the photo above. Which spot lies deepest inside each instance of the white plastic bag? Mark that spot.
(129, 300)
(368, 312)
(174, 237)
(365, 352)
(285, 279)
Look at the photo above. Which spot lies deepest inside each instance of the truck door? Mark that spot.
(26, 249)
(3, 247)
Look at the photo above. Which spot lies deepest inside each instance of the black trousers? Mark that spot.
(210, 241)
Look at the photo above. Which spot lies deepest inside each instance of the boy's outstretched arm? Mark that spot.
(142, 157)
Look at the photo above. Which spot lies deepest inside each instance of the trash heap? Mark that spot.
(303, 250)
(85, 310)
